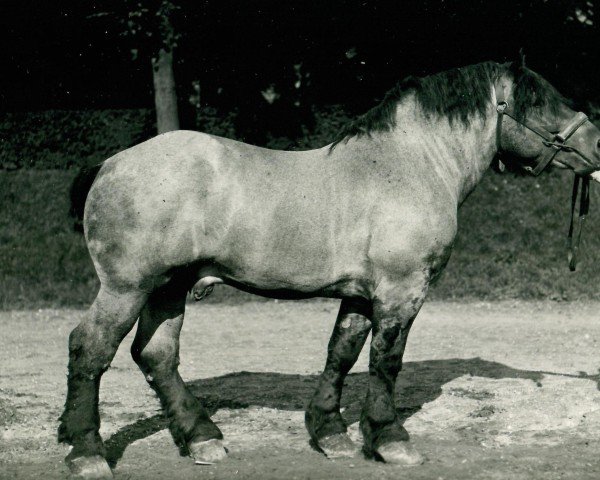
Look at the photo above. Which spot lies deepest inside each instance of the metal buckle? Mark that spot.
(501, 107)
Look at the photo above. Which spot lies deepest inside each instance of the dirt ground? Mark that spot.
(500, 390)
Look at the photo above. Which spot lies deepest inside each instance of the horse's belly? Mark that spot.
(292, 266)
(348, 286)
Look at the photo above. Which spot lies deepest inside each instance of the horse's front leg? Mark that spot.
(323, 419)
(394, 309)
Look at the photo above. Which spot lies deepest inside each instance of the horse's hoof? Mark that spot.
(338, 445)
(89, 468)
(207, 451)
(400, 453)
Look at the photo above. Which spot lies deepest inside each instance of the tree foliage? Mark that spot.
(273, 62)
(147, 27)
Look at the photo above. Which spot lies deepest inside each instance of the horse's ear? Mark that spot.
(521, 61)
(498, 165)
(518, 66)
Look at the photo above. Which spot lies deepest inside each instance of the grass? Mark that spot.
(511, 244)
(42, 261)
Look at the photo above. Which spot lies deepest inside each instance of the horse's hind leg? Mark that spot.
(323, 419)
(92, 346)
(156, 351)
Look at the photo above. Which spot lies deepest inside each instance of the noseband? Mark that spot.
(555, 142)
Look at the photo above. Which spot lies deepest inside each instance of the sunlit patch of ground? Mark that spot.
(500, 390)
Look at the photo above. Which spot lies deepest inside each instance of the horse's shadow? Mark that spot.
(419, 383)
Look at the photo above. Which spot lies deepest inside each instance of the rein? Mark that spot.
(555, 142)
(584, 207)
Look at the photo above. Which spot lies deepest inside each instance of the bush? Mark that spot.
(328, 123)
(60, 139)
(65, 139)
(210, 120)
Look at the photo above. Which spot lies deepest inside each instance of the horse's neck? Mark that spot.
(458, 155)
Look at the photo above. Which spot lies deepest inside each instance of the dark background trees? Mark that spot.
(273, 61)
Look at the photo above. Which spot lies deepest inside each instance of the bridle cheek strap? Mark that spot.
(545, 161)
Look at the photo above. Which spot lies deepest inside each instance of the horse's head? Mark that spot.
(537, 125)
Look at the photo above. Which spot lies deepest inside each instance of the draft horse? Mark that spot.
(369, 219)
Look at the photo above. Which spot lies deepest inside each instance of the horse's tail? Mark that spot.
(82, 183)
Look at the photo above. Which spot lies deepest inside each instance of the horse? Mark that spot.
(369, 219)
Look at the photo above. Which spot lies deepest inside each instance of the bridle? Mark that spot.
(555, 142)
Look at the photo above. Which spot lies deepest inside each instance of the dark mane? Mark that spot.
(457, 94)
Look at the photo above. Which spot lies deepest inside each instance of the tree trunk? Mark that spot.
(165, 97)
